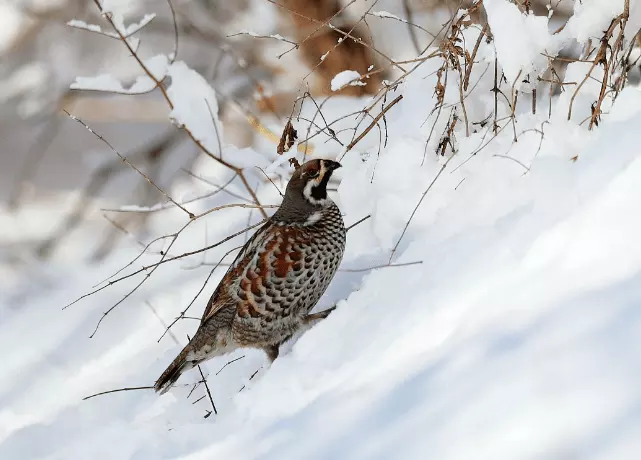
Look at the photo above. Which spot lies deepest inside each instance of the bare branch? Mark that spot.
(211, 400)
(131, 165)
(116, 391)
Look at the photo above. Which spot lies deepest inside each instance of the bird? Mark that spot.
(277, 278)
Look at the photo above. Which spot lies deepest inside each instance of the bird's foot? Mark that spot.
(314, 317)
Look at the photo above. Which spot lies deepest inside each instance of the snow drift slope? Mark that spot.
(515, 338)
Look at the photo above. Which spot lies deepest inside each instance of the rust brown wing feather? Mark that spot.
(221, 295)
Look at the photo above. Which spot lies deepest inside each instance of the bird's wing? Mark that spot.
(269, 283)
(220, 298)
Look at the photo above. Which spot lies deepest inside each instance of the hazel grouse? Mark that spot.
(277, 278)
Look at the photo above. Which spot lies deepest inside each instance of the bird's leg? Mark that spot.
(310, 319)
(272, 352)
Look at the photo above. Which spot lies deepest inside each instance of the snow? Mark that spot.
(256, 35)
(128, 31)
(103, 82)
(195, 105)
(76, 23)
(386, 14)
(522, 41)
(157, 66)
(515, 337)
(591, 19)
(345, 78)
(138, 208)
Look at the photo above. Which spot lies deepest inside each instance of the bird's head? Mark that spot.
(306, 191)
(310, 181)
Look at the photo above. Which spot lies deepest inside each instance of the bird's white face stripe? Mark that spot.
(323, 170)
(307, 193)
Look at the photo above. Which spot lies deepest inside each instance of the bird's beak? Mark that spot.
(332, 165)
(327, 167)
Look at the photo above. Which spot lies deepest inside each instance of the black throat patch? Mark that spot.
(319, 192)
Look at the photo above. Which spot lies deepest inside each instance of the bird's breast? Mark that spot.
(291, 269)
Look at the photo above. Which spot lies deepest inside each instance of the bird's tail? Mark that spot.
(173, 372)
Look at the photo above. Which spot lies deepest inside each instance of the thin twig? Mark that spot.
(420, 201)
(376, 267)
(270, 180)
(211, 400)
(202, 288)
(372, 124)
(116, 391)
(228, 363)
(131, 165)
(360, 221)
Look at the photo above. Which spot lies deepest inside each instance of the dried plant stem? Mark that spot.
(351, 145)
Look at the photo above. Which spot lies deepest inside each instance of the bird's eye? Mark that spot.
(312, 174)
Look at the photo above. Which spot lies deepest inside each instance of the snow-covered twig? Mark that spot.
(95, 28)
(272, 36)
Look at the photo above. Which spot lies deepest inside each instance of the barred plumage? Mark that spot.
(276, 279)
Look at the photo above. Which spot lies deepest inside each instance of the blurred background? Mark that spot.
(50, 164)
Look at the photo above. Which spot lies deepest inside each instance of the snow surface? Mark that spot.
(515, 337)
